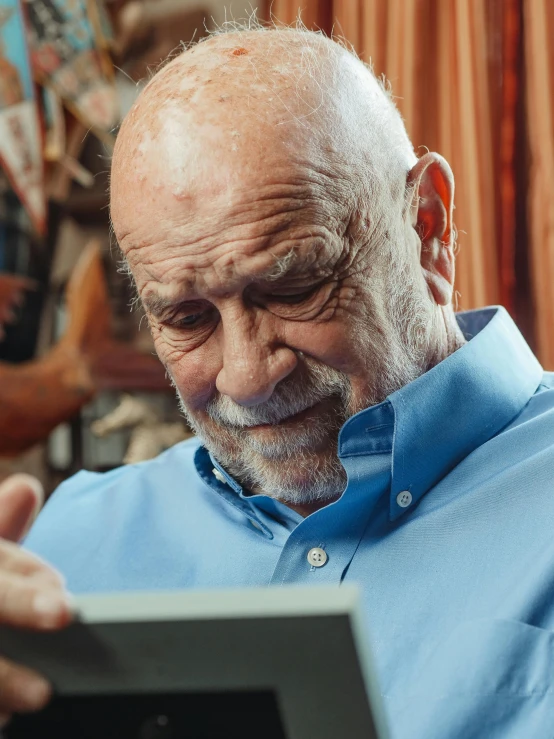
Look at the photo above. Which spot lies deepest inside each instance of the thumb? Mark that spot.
(21, 498)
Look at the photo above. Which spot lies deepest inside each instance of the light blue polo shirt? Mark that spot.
(447, 526)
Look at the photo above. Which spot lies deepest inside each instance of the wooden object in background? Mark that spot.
(36, 396)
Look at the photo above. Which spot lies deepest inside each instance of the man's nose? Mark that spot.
(252, 365)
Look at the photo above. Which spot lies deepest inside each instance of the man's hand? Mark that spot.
(32, 594)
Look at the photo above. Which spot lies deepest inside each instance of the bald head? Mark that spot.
(287, 98)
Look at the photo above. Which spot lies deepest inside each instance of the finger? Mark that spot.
(21, 497)
(21, 689)
(32, 604)
(51, 577)
(18, 561)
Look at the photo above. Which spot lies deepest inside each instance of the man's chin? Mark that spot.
(301, 480)
(293, 461)
(290, 473)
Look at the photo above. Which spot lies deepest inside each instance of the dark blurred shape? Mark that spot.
(150, 30)
(12, 289)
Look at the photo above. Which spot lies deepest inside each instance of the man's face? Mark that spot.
(273, 323)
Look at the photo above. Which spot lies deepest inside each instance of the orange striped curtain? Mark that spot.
(539, 70)
(443, 59)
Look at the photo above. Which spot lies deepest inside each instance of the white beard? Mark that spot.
(287, 467)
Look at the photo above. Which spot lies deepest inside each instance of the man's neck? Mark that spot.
(305, 509)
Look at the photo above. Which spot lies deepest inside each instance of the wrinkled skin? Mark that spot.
(242, 201)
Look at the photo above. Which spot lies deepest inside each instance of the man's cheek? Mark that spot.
(191, 372)
(169, 352)
(171, 346)
(336, 344)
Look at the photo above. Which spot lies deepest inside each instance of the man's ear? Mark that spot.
(432, 205)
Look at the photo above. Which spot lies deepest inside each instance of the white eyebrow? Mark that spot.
(280, 266)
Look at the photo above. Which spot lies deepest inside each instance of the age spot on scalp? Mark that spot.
(240, 51)
(181, 195)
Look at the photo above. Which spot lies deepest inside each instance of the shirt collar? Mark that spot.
(437, 420)
(221, 482)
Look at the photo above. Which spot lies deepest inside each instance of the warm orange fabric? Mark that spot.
(539, 66)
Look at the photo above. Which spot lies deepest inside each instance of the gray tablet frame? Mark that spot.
(306, 644)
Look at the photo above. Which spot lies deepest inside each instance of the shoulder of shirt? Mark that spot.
(96, 517)
(177, 459)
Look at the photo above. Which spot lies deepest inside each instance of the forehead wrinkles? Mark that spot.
(256, 218)
(229, 276)
(229, 266)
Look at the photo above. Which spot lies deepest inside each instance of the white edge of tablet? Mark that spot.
(215, 604)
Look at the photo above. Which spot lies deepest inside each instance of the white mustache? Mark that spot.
(290, 397)
(224, 411)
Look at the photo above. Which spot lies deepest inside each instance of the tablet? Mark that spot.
(273, 663)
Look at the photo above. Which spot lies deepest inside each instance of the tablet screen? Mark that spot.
(229, 715)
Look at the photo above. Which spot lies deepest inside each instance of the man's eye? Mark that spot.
(191, 321)
(294, 298)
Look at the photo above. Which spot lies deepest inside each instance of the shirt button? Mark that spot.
(219, 476)
(255, 524)
(317, 557)
(404, 498)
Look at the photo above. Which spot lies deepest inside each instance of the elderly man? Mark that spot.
(295, 262)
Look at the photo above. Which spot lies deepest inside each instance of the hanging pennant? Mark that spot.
(20, 132)
(66, 56)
